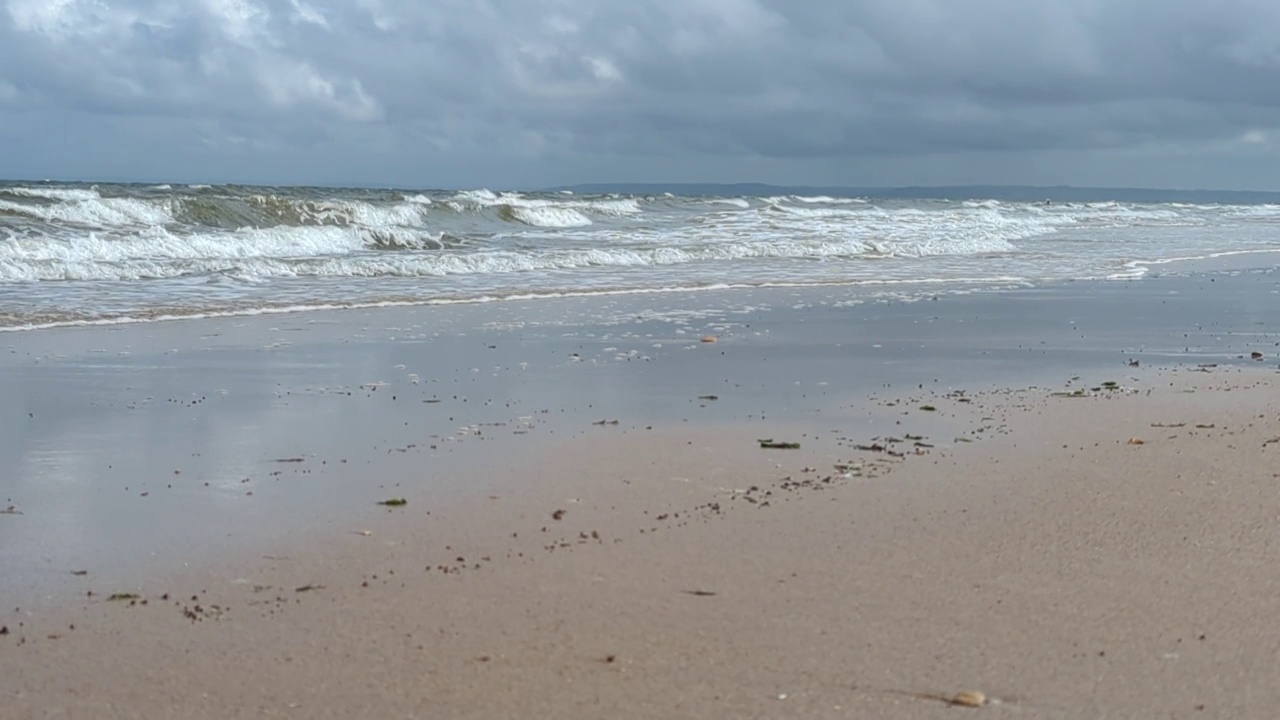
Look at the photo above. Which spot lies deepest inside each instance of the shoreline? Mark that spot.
(592, 527)
(218, 404)
(876, 291)
(158, 316)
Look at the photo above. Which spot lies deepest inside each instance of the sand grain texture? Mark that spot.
(1056, 568)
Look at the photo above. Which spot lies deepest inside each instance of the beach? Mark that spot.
(639, 360)
(1059, 497)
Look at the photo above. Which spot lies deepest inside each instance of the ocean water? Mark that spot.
(79, 253)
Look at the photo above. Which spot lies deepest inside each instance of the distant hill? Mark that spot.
(1013, 193)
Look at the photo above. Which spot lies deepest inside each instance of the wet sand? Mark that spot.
(975, 505)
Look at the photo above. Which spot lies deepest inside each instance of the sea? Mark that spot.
(78, 253)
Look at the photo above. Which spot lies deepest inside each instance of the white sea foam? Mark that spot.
(1130, 271)
(550, 217)
(1138, 264)
(156, 252)
(553, 217)
(407, 214)
(482, 196)
(282, 309)
(118, 247)
(807, 212)
(341, 212)
(1124, 216)
(96, 211)
(332, 251)
(1253, 211)
(70, 194)
(617, 206)
(826, 199)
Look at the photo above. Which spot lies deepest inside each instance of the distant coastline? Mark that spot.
(1012, 193)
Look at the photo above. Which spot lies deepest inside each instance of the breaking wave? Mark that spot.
(69, 247)
(345, 251)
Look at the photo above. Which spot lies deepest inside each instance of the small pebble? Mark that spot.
(969, 698)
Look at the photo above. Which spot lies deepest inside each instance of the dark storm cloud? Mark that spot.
(456, 92)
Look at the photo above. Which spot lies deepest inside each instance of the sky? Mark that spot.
(537, 93)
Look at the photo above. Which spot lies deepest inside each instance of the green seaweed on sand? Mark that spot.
(119, 597)
(771, 444)
(928, 408)
(394, 502)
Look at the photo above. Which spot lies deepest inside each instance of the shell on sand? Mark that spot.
(969, 698)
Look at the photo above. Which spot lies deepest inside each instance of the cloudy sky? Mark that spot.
(520, 93)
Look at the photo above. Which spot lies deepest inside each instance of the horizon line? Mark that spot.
(656, 184)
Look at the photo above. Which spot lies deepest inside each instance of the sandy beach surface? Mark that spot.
(1064, 499)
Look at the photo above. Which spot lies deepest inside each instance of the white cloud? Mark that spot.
(604, 70)
(561, 25)
(303, 13)
(61, 20)
(241, 21)
(383, 20)
(54, 18)
(290, 84)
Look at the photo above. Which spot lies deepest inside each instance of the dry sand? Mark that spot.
(1105, 555)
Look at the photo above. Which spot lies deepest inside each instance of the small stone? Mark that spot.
(969, 698)
(710, 339)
